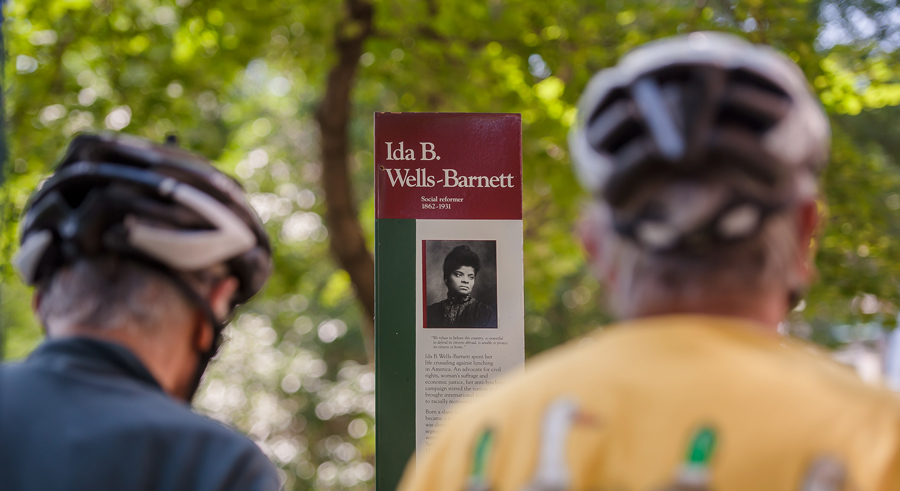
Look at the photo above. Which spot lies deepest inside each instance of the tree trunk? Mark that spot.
(348, 244)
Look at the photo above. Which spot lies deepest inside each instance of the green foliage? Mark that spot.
(225, 80)
(238, 82)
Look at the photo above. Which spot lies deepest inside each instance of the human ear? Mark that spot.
(587, 235)
(807, 225)
(220, 303)
(221, 295)
(590, 230)
(203, 332)
(36, 301)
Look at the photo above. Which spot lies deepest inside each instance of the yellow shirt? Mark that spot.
(671, 403)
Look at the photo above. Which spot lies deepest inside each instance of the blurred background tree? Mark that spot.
(241, 82)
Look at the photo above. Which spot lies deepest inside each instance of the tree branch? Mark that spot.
(348, 244)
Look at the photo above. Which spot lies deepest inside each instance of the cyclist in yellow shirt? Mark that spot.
(703, 154)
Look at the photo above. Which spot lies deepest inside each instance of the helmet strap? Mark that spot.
(206, 356)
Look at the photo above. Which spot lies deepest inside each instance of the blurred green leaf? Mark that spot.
(238, 82)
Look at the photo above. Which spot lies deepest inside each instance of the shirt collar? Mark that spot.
(93, 355)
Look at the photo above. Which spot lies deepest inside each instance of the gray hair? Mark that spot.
(645, 278)
(109, 292)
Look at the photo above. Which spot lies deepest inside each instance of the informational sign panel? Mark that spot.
(448, 264)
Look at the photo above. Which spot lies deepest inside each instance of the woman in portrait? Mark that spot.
(460, 308)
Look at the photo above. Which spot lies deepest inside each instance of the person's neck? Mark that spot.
(768, 311)
(165, 361)
(457, 297)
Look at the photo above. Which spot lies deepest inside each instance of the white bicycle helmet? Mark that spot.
(157, 204)
(686, 106)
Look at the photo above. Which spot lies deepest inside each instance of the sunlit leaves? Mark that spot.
(226, 80)
(238, 82)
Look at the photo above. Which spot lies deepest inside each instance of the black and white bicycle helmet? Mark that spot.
(685, 106)
(157, 204)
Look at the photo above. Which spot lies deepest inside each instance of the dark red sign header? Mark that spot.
(448, 166)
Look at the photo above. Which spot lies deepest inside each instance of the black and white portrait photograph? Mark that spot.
(460, 283)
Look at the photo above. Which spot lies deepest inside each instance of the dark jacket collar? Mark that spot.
(92, 355)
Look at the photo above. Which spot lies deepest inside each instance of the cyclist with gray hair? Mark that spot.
(139, 254)
(702, 154)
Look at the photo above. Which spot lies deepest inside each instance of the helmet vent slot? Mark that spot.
(743, 77)
(615, 127)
